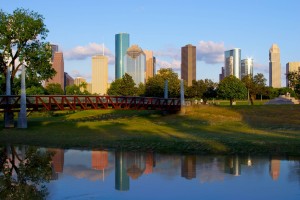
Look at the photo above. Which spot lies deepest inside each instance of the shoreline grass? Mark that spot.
(242, 129)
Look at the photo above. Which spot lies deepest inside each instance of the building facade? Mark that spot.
(246, 67)
(135, 64)
(188, 63)
(150, 64)
(68, 80)
(274, 67)
(291, 67)
(99, 74)
(232, 63)
(121, 46)
(222, 75)
(58, 66)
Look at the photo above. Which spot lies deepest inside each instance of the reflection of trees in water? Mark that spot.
(24, 172)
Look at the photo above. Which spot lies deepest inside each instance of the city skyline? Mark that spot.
(156, 26)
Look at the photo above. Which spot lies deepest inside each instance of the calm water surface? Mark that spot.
(134, 175)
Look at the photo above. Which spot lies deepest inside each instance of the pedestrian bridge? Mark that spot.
(11, 103)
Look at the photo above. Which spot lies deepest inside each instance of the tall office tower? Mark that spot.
(89, 88)
(121, 46)
(149, 163)
(58, 65)
(232, 62)
(99, 74)
(274, 67)
(247, 67)
(78, 81)
(54, 48)
(68, 80)
(121, 177)
(188, 167)
(100, 161)
(135, 64)
(222, 75)
(150, 64)
(188, 63)
(292, 67)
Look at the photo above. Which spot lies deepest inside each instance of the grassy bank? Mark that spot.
(203, 129)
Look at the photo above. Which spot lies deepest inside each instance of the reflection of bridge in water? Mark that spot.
(87, 102)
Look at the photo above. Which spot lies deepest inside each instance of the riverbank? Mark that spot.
(241, 129)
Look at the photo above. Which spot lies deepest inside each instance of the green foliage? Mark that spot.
(255, 85)
(22, 38)
(77, 90)
(123, 87)
(35, 90)
(141, 90)
(204, 89)
(24, 177)
(232, 88)
(294, 81)
(54, 89)
(155, 85)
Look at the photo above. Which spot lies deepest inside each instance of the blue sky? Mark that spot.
(80, 28)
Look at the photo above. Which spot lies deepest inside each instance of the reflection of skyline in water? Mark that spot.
(130, 166)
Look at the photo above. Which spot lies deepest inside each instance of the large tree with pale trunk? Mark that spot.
(22, 42)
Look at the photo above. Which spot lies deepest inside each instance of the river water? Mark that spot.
(100, 174)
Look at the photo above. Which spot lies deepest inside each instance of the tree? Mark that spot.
(155, 85)
(294, 81)
(232, 88)
(22, 42)
(255, 85)
(123, 87)
(24, 176)
(204, 89)
(54, 89)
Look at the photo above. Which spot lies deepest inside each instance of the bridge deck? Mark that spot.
(86, 102)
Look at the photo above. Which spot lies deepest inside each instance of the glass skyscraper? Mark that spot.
(135, 64)
(121, 46)
(233, 63)
(247, 67)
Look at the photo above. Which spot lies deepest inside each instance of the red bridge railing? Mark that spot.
(87, 102)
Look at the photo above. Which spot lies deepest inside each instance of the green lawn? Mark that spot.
(223, 129)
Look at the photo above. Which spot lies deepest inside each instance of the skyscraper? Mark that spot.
(291, 67)
(274, 67)
(121, 46)
(68, 80)
(99, 74)
(222, 75)
(58, 65)
(150, 64)
(78, 81)
(247, 67)
(232, 62)
(188, 63)
(135, 64)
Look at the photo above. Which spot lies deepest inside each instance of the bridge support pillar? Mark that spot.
(8, 115)
(22, 120)
(182, 102)
(166, 89)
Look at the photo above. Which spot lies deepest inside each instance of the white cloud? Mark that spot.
(169, 52)
(83, 52)
(174, 64)
(210, 52)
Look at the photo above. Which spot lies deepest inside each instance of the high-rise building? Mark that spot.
(99, 74)
(100, 161)
(121, 46)
(54, 48)
(247, 67)
(78, 81)
(68, 80)
(232, 63)
(150, 64)
(222, 75)
(57, 162)
(274, 168)
(58, 65)
(135, 64)
(291, 67)
(274, 67)
(188, 63)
